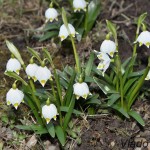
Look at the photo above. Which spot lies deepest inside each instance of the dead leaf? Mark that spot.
(32, 142)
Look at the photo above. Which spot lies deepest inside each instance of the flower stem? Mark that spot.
(33, 95)
(135, 45)
(58, 106)
(76, 55)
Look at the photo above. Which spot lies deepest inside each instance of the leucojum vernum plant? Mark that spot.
(81, 14)
(53, 102)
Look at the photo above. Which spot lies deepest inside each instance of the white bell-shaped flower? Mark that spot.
(79, 4)
(103, 66)
(81, 90)
(108, 47)
(63, 32)
(148, 76)
(13, 65)
(144, 38)
(104, 61)
(51, 14)
(31, 70)
(49, 112)
(14, 97)
(42, 75)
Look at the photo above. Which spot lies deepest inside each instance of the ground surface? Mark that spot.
(103, 131)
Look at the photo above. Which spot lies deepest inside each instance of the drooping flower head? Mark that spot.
(31, 70)
(104, 61)
(108, 47)
(144, 38)
(14, 97)
(79, 5)
(51, 14)
(42, 75)
(49, 112)
(13, 65)
(81, 90)
(63, 32)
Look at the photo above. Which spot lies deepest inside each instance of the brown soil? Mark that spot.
(105, 131)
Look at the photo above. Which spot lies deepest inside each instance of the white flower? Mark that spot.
(144, 38)
(14, 97)
(79, 4)
(104, 61)
(108, 47)
(42, 75)
(14, 51)
(81, 90)
(51, 14)
(63, 32)
(13, 65)
(30, 71)
(49, 112)
(148, 76)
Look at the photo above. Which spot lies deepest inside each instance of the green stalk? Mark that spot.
(137, 88)
(120, 82)
(58, 105)
(75, 55)
(135, 45)
(121, 90)
(34, 97)
(55, 75)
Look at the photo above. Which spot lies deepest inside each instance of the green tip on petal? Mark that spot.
(34, 78)
(43, 82)
(77, 97)
(47, 120)
(17, 71)
(111, 54)
(54, 118)
(62, 37)
(16, 105)
(84, 96)
(140, 44)
(8, 103)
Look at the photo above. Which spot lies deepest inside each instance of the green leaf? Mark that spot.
(104, 86)
(60, 135)
(137, 117)
(48, 35)
(126, 62)
(69, 113)
(52, 26)
(16, 76)
(128, 84)
(69, 91)
(136, 74)
(121, 110)
(112, 99)
(92, 13)
(35, 128)
(89, 65)
(35, 54)
(51, 129)
(33, 107)
(112, 28)
(66, 109)
(141, 19)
